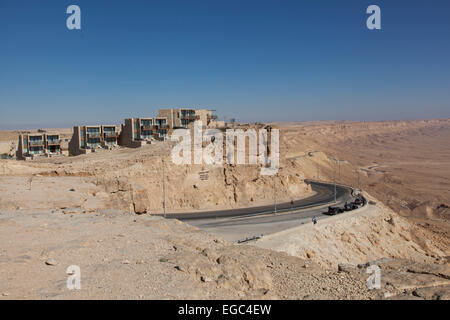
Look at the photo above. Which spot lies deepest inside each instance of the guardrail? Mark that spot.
(93, 135)
(53, 142)
(255, 211)
(186, 117)
(249, 239)
(111, 134)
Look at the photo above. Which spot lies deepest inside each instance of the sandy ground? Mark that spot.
(404, 164)
(124, 256)
(370, 233)
(82, 211)
(133, 177)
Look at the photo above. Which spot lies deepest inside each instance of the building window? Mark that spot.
(53, 139)
(146, 134)
(36, 150)
(93, 142)
(147, 123)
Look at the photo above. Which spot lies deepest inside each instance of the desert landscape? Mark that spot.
(102, 212)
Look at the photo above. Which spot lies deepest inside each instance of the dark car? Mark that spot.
(350, 206)
(359, 201)
(334, 210)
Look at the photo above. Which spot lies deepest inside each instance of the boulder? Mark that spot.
(347, 268)
(140, 201)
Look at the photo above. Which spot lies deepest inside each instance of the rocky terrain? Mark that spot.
(124, 256)
(82, 211)
(403, 164)
(131, 179)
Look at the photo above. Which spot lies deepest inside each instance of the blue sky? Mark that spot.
(251, 60)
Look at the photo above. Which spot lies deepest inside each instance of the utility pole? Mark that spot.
(359, 185)
(275, 193)
(339, 164)
(335, 180)
(164, 188)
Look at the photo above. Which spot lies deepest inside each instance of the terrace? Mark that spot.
(36, 140)
(160, 123)
(53, 140)
(146, 134)
(146, 124)
(110, 132)
(93, 132)
(36, 150)
(188, 115)
(93, 142)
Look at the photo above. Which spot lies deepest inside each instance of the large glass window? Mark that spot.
(35, 140)
(53, 139)
(93, 142)
(147, 122)
(109, 131)
(36, 150)
(147, 134)
(110, 141)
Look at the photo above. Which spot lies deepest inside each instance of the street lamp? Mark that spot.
(334, 180)
(359, 181)
(337, 162)
(164, 188)
(275, 193)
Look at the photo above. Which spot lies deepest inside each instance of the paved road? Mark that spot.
(237, 224)
(324, 195)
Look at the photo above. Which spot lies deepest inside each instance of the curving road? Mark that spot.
(238, 224)
(324, 194)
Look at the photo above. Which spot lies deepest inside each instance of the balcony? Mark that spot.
(53, 142)
(147, 126)
(212, 117)
(189, 117)
(93, 134)
(35, 142)
(111, 134)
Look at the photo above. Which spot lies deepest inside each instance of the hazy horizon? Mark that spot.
(279, 122)
(255, 61)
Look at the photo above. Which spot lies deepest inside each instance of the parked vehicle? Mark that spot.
(359, 201)
(350, 206)
(334, 210)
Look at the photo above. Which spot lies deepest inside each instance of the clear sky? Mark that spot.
(251, 60)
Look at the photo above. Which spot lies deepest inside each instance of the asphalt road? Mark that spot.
(238, 224)
(324, 195)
